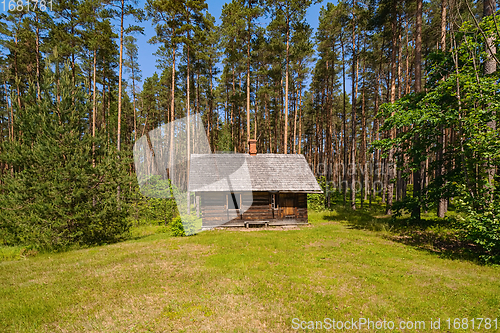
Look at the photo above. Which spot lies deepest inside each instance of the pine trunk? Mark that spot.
(344, 125)
(390, 158)
(285, 143)
(417, 175)
(490, 67)
(353, 112)
(188, 129)
(442, 205)
(172, 118)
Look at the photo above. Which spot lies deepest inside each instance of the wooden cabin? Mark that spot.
(245, 189)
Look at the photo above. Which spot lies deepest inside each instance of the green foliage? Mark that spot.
(155, 203)
(17, 252)
(224, 142)
(460, 98)
(156, 210)
(63, 188)
(186, 226)
(176, 228)
(480, 226)
(192, 224)
(317, 201)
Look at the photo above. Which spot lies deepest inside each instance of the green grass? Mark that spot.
(245, 281)
(16, 252)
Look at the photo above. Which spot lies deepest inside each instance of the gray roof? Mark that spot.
(242, 172)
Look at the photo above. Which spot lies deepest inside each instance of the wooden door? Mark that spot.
(288, 207)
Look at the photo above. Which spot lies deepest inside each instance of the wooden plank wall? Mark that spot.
(299, 206)
(213, 208)
(214, 212)
(260, 210)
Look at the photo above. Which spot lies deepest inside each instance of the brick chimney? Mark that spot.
(252, 147)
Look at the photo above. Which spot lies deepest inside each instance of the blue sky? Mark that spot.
(147, 59)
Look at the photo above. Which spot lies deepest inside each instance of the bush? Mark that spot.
(154, 211)
(186, 226)
(176, 227)
(317, 201)
(481, 226)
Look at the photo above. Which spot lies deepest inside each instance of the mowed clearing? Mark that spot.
(242, 281)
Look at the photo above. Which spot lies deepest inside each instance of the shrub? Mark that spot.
(317, 201)
(176, 227)
(480, 224)
(186, 226)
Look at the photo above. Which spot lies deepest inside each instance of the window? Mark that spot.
(273, 201)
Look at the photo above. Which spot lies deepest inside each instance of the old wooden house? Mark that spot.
(245, 189)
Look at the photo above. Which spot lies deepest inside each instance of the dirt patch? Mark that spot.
(261, 228)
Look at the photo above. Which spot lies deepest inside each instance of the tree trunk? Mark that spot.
(295, 124)
(256, 113)
(390, 158)
(11, 113)
(300, 122)
(172, 118)
(133, 99)
(248, 81)
(490, 68)
(417, 175)
(17, 74)
(353, 113)
(233, 111)
(285, 143)
(210, 110)
(188, 129)
(268, 123)
(102, 124)
(363, 141)
(442, 205)
(376, 157)
(400, 61)
(344, 125)
(37, 43)
(94, 105)
(399, 180)
(120, 70)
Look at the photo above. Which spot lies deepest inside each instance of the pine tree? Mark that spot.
(56, 197)
(292, 12)
(131, 62)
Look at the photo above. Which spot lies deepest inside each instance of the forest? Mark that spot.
(392, 103)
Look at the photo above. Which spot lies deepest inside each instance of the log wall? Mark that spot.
(289, 207)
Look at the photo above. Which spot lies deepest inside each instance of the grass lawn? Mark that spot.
(246, 281)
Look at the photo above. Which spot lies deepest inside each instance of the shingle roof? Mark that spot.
(242, 172)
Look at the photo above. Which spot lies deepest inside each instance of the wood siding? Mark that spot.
(257, 206)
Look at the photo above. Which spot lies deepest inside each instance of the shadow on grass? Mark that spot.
(430, 234)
